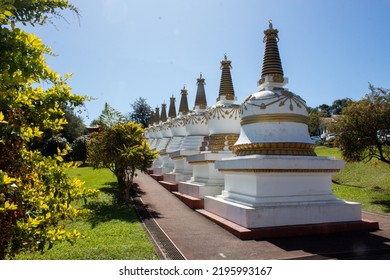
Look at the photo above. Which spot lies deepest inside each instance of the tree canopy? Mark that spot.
(109, 117)
(141, 112)
(362, 126)
(122, 148)
(36, 194)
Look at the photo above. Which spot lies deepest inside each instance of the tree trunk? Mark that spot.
(381, 156)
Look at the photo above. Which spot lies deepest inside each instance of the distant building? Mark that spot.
(323, 130)
(95, 128)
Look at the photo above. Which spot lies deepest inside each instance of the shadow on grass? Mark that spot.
(385, 203)
(117, 208)
(346, 184)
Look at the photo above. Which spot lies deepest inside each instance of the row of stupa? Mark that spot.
(190, 142)
(252, 166)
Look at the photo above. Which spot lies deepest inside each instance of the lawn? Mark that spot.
(113, 230)
(366, 183)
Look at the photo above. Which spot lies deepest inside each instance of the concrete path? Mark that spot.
(198, 238)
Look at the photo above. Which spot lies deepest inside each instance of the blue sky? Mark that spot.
(120, 50)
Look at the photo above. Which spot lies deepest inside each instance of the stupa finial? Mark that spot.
(172, 107)
(200, 99)
(157, 115)
(272, 65)
(183, 107)
(163, 112)
(226, 85)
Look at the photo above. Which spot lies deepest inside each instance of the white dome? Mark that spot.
(166, 129)
(178, 126)
(274, 122)
(157, 131)
(224, 119)
(196, 124)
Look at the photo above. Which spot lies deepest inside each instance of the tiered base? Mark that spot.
(292, 230)
(206, 180)
(284, 214)
(276, 193)
(172, 187)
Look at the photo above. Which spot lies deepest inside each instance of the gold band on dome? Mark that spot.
(218, 142)
(285, 149)
(274, 118)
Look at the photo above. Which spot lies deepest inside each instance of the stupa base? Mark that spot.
(291, 230)
(191, 201)
(157, 177)
(283, 213)
(176, 177)
(172, 187)
(192, 194)
(206, 180)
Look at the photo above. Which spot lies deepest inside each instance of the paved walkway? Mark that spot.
(198, 238)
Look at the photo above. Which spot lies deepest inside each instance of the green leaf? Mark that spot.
(8, 13)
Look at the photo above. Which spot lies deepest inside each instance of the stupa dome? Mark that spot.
(274, 122)
(196, 123)
(178, 125)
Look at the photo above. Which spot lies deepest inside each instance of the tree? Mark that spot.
(109, 117)
(79, 149)
(359, 127)
(337, 106)
(35, 191)
(141, 112)
(314, 121)
(74, 127)
(53, 144)
(324, 110)
(122, 149)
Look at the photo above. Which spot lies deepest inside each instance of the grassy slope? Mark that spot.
(114, 232)
(367, 183)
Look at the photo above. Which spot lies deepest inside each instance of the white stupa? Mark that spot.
(276, 180)
(164, 128)
(195, 125)
(149, 132)
(196, 130)
(155, 129)
(224, 128)
(177, 132)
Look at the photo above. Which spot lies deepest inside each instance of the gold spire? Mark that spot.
(157, 116)
(172, 108)
(164, 112)
(183, 108)
(226, 86)
(200, 99)
(271, 62)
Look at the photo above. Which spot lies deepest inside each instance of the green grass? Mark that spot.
(366, 183)
(113, 230)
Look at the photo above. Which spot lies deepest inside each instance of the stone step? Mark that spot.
(287, 231)
(190, 201)
(169, 186)
(157, 177)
